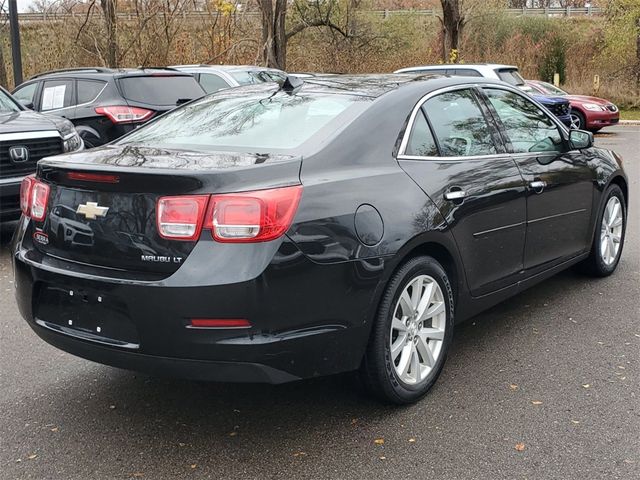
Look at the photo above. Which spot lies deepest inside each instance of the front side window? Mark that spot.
(56, 94)
(25, 94)
(421, 143)
(266, 121)
(459, 124)
(529, 129)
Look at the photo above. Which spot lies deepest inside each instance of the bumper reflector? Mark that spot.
(219, 323)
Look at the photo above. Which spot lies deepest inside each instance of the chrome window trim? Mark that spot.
(405, 139)
(29, 135)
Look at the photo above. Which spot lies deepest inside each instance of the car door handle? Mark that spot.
(538, 185)
(455, 195)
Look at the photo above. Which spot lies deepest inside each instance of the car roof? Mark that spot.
(376, 85)
(492, 66)
(227, 68)
(104, 73)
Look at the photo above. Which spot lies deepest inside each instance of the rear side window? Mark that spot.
(212, 83)
(459, 124)
(163, 90)
(421, 143)
(529, 129)
(466, 72)
(56, 94)
(88, 90)
(511, 76)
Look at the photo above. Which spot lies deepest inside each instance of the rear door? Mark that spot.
(453, 152)
(560, 181)
(58, 97)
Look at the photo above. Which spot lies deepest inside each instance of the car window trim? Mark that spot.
(407, 132)
(72, 81)
(564, 132)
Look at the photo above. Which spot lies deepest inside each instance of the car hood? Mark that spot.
(28, 121)
(549, 100)
(588, 99)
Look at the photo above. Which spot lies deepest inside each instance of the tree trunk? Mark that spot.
(3, 71)
(109, 10)
(274, 37)
(452, 23)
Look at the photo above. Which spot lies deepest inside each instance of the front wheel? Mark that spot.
(609, 236)
(577, 120)
(411, 334)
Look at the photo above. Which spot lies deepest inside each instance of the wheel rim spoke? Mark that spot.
(432, 334)
(425, 352)
(405, 359)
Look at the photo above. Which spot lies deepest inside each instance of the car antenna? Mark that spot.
(292, 84)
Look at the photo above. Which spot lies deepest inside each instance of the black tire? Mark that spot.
(581, 120)
(377, 372)
(594, 264)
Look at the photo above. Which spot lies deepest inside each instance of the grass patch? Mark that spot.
(631, 114)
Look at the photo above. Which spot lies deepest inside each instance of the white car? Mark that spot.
(506, 73)
(217, 77)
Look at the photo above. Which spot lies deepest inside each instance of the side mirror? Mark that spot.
(580, 139)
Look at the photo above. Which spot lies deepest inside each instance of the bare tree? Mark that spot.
(109, 8)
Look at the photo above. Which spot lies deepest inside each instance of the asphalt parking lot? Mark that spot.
(546, 385)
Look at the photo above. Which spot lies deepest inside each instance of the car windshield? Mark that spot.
(6, 104)
(551, 89)
(264, 121)
(511, 76)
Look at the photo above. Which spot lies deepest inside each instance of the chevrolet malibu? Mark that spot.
(279, 232)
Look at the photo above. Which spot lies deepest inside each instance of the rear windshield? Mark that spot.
(250, 77)
(164, 90)
(511, 76)
(269, 121)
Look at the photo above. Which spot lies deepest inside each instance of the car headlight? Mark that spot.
(71, 141)
(593, 107)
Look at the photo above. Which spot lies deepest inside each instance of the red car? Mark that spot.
(587, 113)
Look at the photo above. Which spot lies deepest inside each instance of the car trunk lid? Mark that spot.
(102, 203)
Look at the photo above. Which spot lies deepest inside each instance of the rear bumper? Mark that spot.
(307, 319)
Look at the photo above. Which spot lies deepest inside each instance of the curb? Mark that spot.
(629, 122)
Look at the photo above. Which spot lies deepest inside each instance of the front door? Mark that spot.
(559, 181)
(456, 156)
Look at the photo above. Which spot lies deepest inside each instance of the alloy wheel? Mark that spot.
(417, 329)
(576, 123)
(611, 231)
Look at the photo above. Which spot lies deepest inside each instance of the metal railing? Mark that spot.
(551, 12)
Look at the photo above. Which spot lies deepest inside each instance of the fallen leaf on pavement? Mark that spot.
(513, 386)
(520, 447)
(536, 402)
(32, 456)
(575, 422)
(586, 385)
(299, 454)
(412, 440)
(379, 441)
(233, 434)
(194, 465)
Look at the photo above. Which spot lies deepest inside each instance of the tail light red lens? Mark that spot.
(39, 199)
(25, 194)
(257, 216)
(125, 114)
(180, 218)
(93, 177)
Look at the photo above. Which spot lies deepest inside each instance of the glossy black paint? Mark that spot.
(312, 294)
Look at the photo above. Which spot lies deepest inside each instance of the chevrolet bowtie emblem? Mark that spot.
(92, 210)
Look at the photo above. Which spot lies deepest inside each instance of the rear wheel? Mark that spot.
(412, 333)
(609, 237)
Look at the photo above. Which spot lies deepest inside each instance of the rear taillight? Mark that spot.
(125, 114)
(219, 323)
(93, 177)
(180, 218)
(34, 196)
(257, 216)
(25, 194)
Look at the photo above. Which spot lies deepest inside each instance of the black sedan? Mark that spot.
(272, 233)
